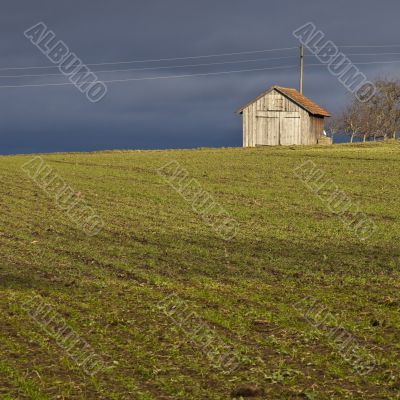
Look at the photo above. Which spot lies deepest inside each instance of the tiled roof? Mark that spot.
(304, 101)
(296, 97)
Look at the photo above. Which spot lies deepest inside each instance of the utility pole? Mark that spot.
(301, 68)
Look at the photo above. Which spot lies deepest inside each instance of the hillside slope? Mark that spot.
(251, 294)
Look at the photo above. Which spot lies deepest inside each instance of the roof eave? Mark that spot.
(241, 109)
(283, 93)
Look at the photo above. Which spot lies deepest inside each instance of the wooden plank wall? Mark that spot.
(290, 129)
(311, 127)
(267, 129)
(317, 125)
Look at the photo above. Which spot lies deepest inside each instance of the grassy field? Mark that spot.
(289, 248)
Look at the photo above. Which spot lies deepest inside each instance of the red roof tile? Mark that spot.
(296, 97)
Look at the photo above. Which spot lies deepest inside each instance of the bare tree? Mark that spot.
(334, 125)
(352, 121)
(390, 104)
(368, 117)
(379, 117)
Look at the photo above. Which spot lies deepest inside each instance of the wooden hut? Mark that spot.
(282, 116)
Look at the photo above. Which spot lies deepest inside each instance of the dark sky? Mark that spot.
(172, 113)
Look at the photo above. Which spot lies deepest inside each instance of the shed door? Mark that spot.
(274, 128)
(267, 128)
(289, 130)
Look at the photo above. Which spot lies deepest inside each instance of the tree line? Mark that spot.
(375, 118)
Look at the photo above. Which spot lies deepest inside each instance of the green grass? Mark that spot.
(289, 246)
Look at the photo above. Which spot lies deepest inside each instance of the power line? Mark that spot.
(157, 77)
(195, 57)
(364, 46)
(185, 66)
(162, 59)
(366, 54)
(198, 75)
(372, 54)
(355, 63)
(155, 68)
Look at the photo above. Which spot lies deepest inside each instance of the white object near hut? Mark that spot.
(282, 116)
